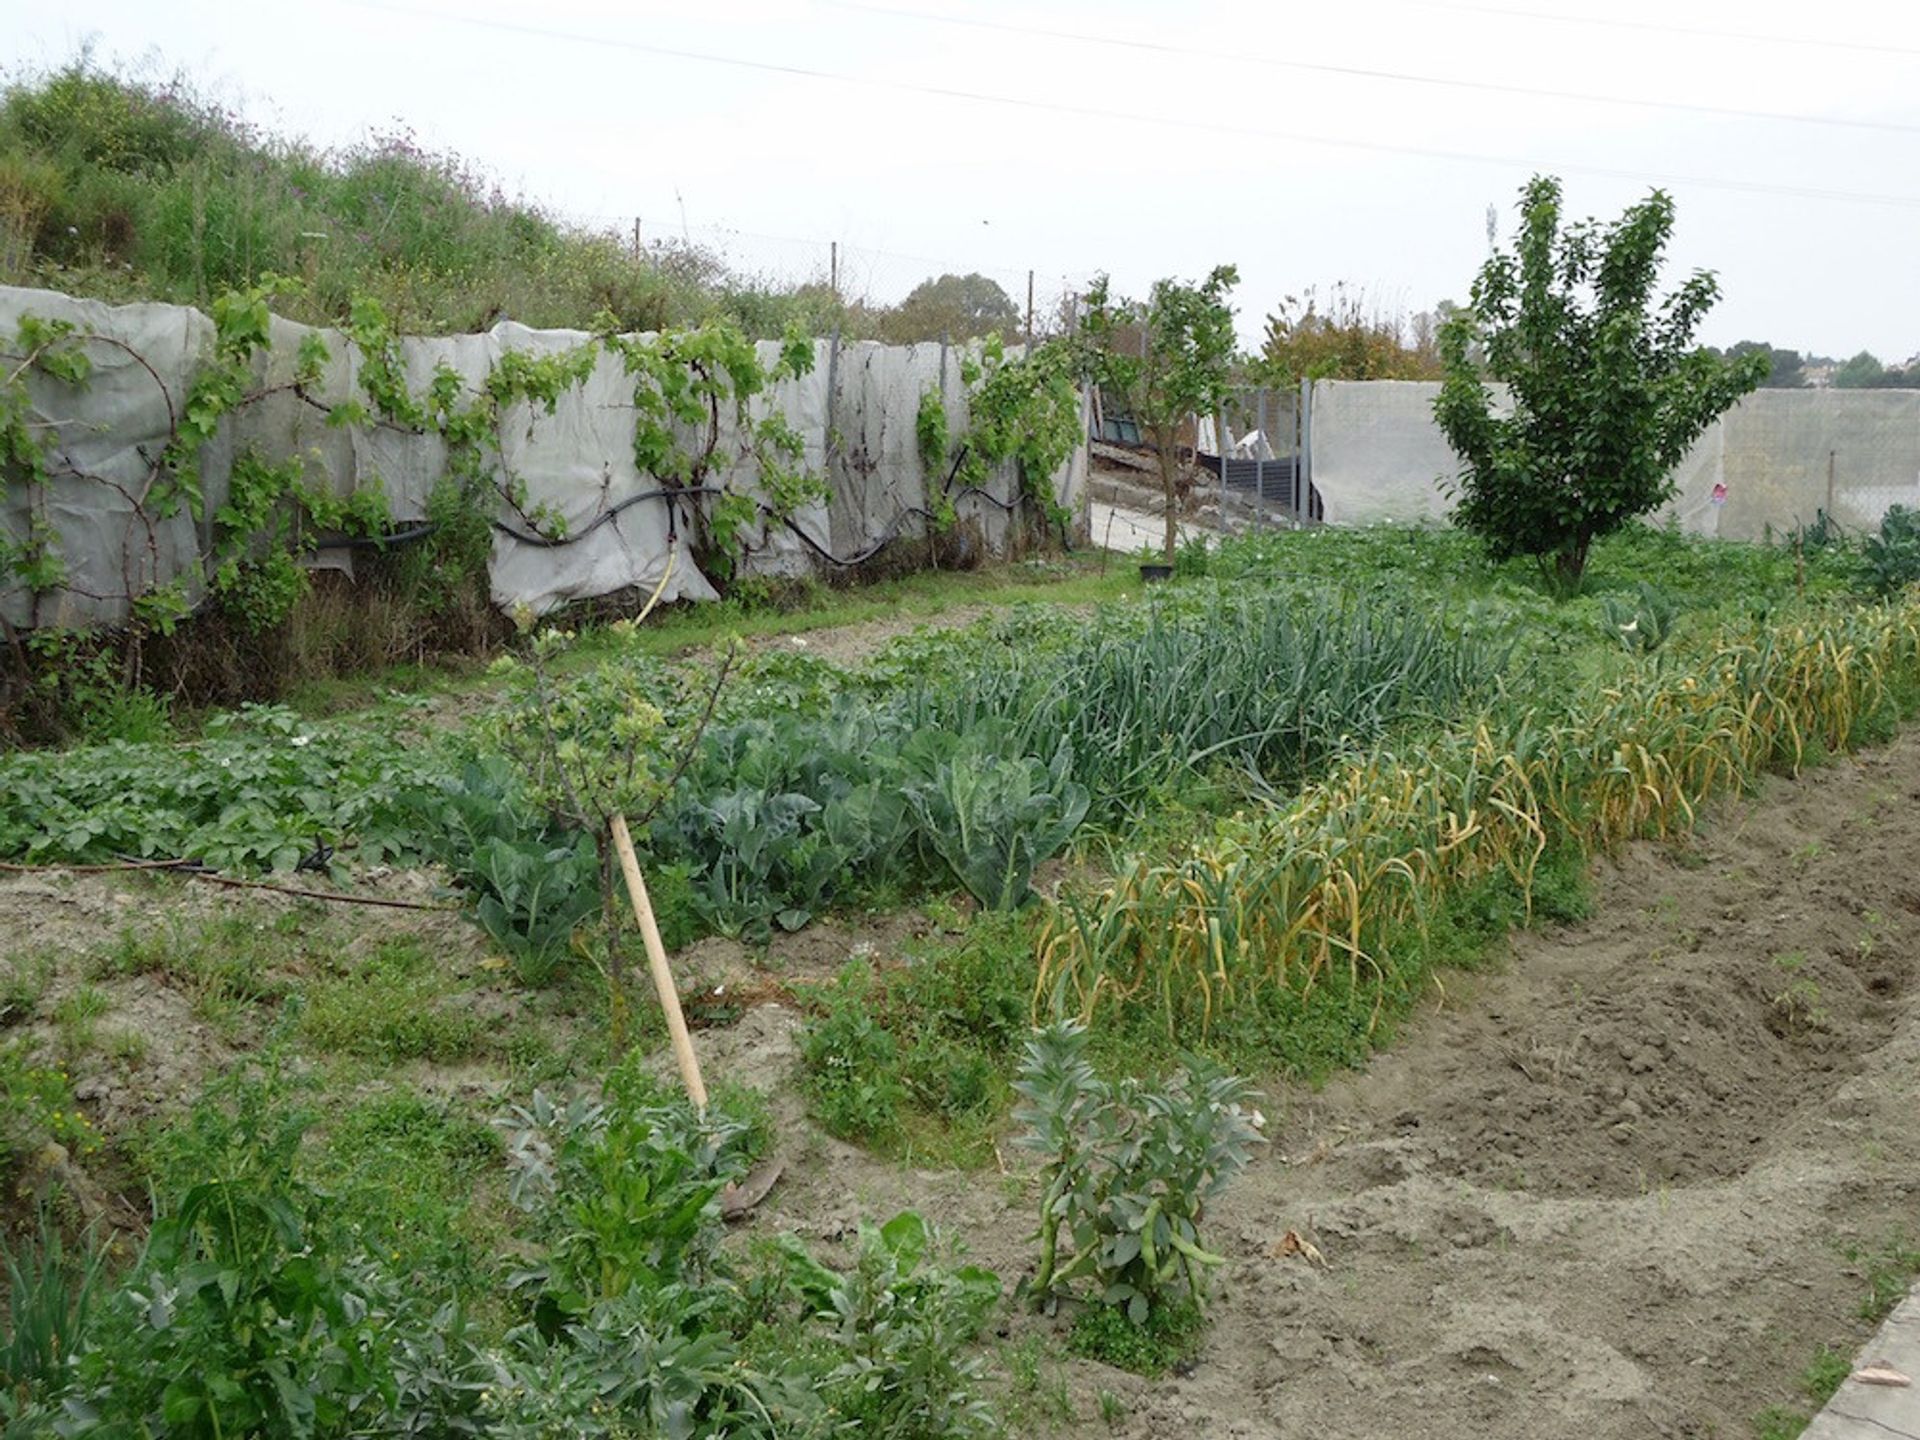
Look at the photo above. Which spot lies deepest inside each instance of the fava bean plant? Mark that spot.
(1129, 1169)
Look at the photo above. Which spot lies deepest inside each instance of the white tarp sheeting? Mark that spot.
(855, 414)
(1377, 455)
(1765, 465)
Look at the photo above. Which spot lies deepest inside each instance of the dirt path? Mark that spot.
(863, 639)
(1603, 1192)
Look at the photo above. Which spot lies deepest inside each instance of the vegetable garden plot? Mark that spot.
(1486, 742)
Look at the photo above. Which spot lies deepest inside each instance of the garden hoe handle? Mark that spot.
(657, 960)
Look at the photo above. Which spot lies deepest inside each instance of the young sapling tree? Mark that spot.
(1164, 360)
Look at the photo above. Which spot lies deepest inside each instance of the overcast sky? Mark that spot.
(1006, 136)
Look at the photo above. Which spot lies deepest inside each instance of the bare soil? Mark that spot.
(862, 640)
(1602, 1191)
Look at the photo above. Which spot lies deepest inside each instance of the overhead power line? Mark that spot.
(1617, 22)
(1366, 73)
(1104, 114)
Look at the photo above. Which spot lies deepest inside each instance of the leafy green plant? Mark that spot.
(624, 1187)
(1643, 622)
(902, 1325)
(991, 815)
(241, 1316)
(536, 897)
(261, 791)
(1892, 556)
(647, 1362)
(852, 1063)
(531, 883)
(1128, 1171)
(768, 853)
(782, 814)
(1608, 390)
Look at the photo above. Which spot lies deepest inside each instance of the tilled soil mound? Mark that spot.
(1607, 1191)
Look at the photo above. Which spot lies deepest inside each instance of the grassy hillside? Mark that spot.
(125, 189)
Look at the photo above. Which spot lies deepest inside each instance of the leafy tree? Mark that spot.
(962, 307)
(1164, 361)
(1344, 339)
(1607, 388)
(1786, 369)
(1863, 372)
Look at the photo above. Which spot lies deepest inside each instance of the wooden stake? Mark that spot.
(657, 959)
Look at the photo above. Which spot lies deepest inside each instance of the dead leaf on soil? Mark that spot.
(1322, 1150)
(1881, 1375)
(737, 1200)
(1291, 1244)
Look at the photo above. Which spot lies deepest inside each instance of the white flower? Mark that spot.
(300, 740)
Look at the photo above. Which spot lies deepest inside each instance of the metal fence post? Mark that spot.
(1220, 433)
(1303, 456)
(1259, 461)
(832, 448)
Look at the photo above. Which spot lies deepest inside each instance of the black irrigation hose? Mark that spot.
(378, 542)
(607, 516)
(548, 542)
(892, 532)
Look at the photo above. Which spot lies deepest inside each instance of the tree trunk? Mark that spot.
(1168, 473)
(1570, 564)
(610, 919)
